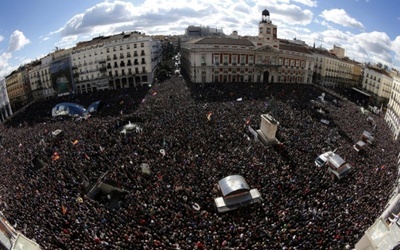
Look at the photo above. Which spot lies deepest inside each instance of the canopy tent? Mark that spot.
(94, 107)
(233, 184)
(68, 109)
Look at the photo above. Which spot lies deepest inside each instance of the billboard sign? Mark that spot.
(60, 73)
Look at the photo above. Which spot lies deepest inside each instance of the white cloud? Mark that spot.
(307, 2)
(104, 16)
(291, 14)
(294, 18)
(340, 16)
(371, 47)
(155, 17)
(17, 41)
(1, 38)
(396, 47)
(5, 68)
(67, 42)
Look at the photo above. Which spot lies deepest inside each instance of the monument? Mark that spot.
(268, 128)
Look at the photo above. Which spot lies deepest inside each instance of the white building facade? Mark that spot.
(89, 66)
(264, 58)
(331, 71)
(5, 107)
(392, 116)
(40, 80)
(125, 60)
(378, 82)
(132, 60)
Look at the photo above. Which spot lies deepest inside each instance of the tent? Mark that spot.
(68, 109)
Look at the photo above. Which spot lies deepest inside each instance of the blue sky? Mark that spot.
(367, 29)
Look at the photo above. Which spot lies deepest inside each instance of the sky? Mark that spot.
(366, 29)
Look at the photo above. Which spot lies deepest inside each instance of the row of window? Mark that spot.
(128, 63)
(41, 73)
(128, 46)
(130, 71)
(229, 58)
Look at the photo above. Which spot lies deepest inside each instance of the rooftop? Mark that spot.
(223, 41)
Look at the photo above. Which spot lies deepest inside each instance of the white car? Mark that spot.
(323, 158)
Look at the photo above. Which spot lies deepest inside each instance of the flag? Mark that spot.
(209, 115)
(55, 156)
(63, 209)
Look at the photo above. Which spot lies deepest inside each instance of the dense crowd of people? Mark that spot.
(193, 136)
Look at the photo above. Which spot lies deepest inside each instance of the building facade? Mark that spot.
(218, 60)
(392, 116)
(40, 79)
(295, 62)
(125, 60)
(131, 59)
(5, 107)
(18, 87)
(89, 66)
(263, 58)
(378, 82)
(332, 71)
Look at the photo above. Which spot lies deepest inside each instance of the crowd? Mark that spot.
(201, 131)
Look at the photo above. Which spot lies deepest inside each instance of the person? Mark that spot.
(302, 208)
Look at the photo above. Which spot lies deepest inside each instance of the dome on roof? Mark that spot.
(265, 12)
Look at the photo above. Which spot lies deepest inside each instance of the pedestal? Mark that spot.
(268, 128)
